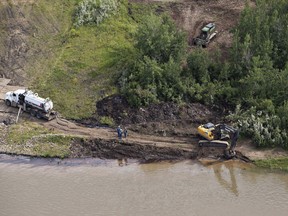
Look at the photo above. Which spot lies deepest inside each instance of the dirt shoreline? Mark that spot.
(164, 132)
(85, 148)
(113, 149)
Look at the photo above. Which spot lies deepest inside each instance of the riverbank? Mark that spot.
(33, 139)
(171, 136)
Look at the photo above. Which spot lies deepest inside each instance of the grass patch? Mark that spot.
(33, 139)
(53, 146)
(277, 163)
(106, 120)
(22, 132)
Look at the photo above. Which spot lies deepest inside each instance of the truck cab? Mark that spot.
(12, 98)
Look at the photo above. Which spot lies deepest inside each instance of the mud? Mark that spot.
(113, 149)
(169, 140)
(164, 119)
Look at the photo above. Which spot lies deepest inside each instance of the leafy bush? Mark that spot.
(198, 63)
(106, 120)
(94, 11)
(159, 39)
(155, 73)
(264, 129)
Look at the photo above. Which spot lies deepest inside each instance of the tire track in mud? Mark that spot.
(103, 143)
(68, 127)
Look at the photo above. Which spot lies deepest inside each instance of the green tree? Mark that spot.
(159, 39)
(154, 75)
(198, 64)
(141, 82)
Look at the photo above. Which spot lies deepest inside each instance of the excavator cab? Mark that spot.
(206, 131)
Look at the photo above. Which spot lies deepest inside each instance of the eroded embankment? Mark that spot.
(114, 149)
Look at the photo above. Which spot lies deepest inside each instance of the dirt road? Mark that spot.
(103, 142)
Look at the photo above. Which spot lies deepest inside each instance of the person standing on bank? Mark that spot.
(119, 132)
(125, 132)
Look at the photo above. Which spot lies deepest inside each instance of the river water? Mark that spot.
(33, 187)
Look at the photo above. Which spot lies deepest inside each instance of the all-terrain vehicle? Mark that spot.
(207, 33)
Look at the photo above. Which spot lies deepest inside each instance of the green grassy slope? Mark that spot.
(72, 66)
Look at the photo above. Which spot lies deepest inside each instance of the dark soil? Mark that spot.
(113, 149)
(164, 119)
(164, 131)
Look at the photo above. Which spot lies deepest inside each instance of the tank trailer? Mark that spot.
(30, 102)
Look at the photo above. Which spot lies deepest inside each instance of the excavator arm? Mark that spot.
(222, 129)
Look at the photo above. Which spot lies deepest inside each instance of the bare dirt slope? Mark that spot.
(20, 31)
(15, 47)
(192, 15)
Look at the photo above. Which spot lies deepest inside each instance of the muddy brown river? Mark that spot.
(34, 187)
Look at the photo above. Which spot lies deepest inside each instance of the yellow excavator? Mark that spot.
(218, 136)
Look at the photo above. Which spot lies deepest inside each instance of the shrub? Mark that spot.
(106, 120)
(94, 11)
(263, 128)
(74, 33)
(155, 74)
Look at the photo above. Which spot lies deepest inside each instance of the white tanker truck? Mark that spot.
(31, 102)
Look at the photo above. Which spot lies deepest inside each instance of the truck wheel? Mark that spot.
(38, 116)
(8, 102)
(32, 113)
